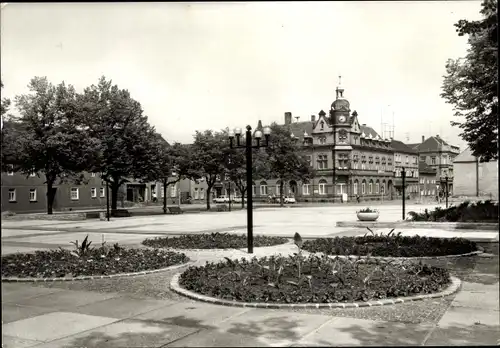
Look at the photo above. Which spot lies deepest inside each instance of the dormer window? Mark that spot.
(322, 140)
(322, 124)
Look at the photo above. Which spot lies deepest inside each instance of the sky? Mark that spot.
(197, 66)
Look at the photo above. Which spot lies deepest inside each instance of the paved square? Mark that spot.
(15, 342)
(121, 307)
(51, 326)
(214, 338)
(128, 333)
(20, 292)
(13, 312)
(193, 314)
(351, 331)
(67, 299)
(274, 324)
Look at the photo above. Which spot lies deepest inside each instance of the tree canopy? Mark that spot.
(44, 138)
(127, 140)
(471, 84)
(285, 160)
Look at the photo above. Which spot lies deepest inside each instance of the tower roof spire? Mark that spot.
(340, 90)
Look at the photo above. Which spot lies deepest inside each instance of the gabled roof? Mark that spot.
(368, 130)
(424, 168)
(299, 128)
(465, 156)
(431, 144)
(413, 146)
(399, 146)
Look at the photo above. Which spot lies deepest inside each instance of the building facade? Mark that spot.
(473, 178)
(339, 147)
(407, 158)
(427, 182)
(439, 155)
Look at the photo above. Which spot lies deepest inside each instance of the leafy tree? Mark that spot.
(48, 140)
(127, 140)
(471, 83)
(5, 104)
(285, 160)
(172, 164)
(209, 149)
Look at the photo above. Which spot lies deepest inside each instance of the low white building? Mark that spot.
(473, 178)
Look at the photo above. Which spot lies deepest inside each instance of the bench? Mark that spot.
(175, 210)
(120, 213)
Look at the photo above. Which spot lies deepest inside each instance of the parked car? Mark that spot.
(221, 199)
(238, 200)
(289, 200)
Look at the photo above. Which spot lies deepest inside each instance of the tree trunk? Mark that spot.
(243, 199)
(114, 195)
(164, 196)
(282, 204)
(209, 190)
(50, 196)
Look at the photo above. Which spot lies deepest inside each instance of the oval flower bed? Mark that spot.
(314, 279)
(212, 241)
(391, 246)
(102, 261)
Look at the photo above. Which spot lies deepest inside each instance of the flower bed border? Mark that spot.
(117, 275)
(228, 249)
(175, 287)
(400, 258)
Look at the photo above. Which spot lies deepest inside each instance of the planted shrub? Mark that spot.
(212, 241)
(314, 279)
(486, 211)
(393, 245)
(103, 260)
(367, 210)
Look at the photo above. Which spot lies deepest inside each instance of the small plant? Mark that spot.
(82, 249)
(367, 210)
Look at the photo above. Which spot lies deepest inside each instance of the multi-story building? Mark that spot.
(438, 154)
(407, 158)
(338, 147)
(427, 180)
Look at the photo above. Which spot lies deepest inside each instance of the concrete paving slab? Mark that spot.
(350, 331)
(192, 314)
(462, 316)
(19, 292)
(127, 333)
(15, 342)
(121, 307)
(480, 296)
(214, 338)
(460, 335)
(274, 324)
(51, 326)
(12, 312)
(67, 299)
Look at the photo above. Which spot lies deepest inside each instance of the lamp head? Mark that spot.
(258, 135)
(231, 134)
(267, 131)
(237, 131)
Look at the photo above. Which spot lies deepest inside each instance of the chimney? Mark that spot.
(288, 118)
(364, 124)
(437, 136)
(313, 118)
(423, 138)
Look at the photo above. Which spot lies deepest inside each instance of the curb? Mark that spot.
(118, 275)
(219, 250)
(447, 226)
(174, 286)
(391, 258)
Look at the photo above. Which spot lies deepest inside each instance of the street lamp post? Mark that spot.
(403, 177)
(248, 152)
(446, 192)
(107, 200)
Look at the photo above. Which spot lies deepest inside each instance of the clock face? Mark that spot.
(342, 118)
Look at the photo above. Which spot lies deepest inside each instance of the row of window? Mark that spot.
(431, 181)
(74, 194)
(445, 159)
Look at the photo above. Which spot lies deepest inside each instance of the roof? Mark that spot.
(431, 144)
(368, 130)
(298, 129)
(465, 156)
(424, 168)
(399, 146)
(413, 146)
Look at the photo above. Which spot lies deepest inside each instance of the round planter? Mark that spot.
(175, 286)
(372, 216)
